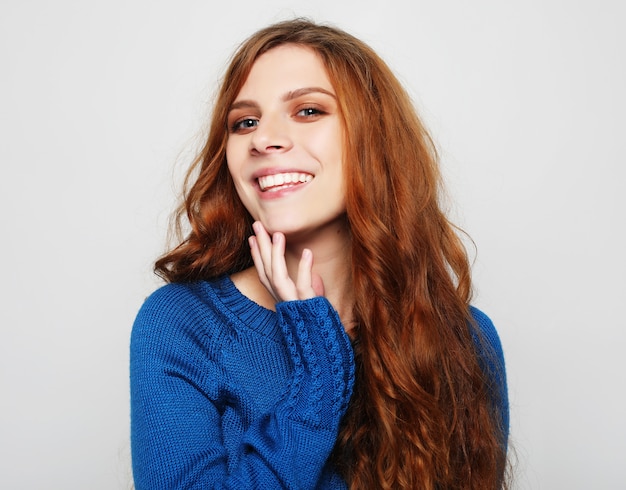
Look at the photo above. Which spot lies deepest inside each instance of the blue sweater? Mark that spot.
(226, 394)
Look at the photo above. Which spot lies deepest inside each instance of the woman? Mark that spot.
(316, 329)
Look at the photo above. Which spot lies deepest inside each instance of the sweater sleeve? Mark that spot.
(176, 402)
(492, 360)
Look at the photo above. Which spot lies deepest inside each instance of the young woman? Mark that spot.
(316, 330)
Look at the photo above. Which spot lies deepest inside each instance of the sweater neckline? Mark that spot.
(249, 313)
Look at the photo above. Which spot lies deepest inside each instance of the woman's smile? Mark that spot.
(275, 182)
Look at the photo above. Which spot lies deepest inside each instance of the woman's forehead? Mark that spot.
(284, 69)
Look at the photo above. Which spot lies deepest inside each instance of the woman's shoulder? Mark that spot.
(492, 360)
(487, 330)
(206, 307)
(176, 299)
(182, 310)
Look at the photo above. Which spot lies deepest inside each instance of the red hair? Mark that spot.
(422, 414)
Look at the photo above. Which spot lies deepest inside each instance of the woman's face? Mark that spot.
(284, 148)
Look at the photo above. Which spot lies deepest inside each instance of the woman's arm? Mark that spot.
(177, 400)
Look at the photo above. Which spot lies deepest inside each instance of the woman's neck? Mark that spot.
(331, 262)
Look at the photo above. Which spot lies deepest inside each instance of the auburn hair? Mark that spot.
(424, 412)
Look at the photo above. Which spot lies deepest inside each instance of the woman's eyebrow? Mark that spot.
(294, 94)
(241, 104)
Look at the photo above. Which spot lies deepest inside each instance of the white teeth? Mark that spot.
(285, 179)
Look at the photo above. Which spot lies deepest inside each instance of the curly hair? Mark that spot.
(423, 413)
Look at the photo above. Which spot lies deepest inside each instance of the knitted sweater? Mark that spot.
(226, 394)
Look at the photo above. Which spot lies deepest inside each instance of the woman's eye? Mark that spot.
(244, 124)
(309, 112)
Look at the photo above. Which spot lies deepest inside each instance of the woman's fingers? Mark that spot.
(282, 283)
(264, 244)
(317, 284)
(258, 263)
(268, 255)
(304, 283)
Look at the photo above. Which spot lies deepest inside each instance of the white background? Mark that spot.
(100, 107)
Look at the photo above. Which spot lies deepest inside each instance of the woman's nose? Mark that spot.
(271, 135)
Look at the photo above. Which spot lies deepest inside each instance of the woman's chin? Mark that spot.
(286, 225)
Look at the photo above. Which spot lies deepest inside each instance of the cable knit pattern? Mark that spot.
(328, 365)
(226, 394)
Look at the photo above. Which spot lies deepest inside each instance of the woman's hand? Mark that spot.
(269, 259)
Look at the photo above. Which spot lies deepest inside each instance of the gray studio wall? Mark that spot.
(101, 105)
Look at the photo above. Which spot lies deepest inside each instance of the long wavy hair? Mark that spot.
(424, 414)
